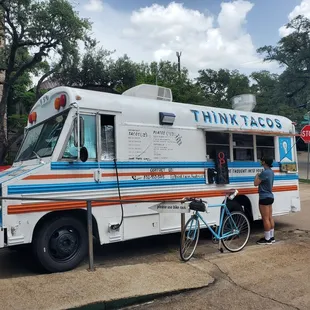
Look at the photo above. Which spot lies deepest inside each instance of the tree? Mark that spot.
(166, 74)
(41, 27)
(265, 89)
(293, 53)
(90, 71)
(122, 74)
(220, 86)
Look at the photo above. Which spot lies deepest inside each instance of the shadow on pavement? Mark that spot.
(19, 262)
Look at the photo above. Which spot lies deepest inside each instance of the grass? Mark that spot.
(304, 181)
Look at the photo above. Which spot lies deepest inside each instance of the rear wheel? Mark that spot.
(190, 236)
(236, 221)
(60, 244)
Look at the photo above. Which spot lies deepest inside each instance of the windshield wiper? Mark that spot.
(38, 157)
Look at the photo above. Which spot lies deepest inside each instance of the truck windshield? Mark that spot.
(42, 139)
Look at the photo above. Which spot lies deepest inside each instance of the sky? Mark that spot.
(209, 33)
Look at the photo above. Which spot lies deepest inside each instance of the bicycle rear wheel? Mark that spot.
(237, 220)
(191, 237)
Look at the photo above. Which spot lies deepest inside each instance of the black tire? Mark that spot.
(187, 231)
(242, 224)
(233, 205)
(60, 244)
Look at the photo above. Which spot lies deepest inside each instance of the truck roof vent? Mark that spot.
(244, 102)
(150, 91)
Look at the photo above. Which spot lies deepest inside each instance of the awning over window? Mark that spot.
(246, 131)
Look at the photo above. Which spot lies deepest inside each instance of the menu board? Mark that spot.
(153, 144)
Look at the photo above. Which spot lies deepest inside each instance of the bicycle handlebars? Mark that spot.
(229, 194)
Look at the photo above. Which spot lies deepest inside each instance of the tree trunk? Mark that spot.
(3, 107)
(3, 126)
(38, 93)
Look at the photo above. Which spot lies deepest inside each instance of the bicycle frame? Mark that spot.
(225, 211)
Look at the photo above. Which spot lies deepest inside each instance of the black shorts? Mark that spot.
(266, 201)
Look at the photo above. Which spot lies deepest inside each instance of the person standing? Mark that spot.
(264, 181)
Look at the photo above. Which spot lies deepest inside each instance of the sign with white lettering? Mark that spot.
(171, 207)
(305, 134)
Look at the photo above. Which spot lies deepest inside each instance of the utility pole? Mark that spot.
(179, 54)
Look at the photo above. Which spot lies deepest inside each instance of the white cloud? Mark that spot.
(302, 9)
(94, 6)
(158, 32)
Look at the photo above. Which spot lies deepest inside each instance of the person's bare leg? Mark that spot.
(264, 211)
(270, 217)
(271, 223)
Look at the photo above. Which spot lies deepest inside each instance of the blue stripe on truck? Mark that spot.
(82, 186)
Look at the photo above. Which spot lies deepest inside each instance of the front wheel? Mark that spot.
(237, 229)
(60, 244)
(190, 236)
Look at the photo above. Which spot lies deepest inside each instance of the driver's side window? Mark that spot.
(71, 150)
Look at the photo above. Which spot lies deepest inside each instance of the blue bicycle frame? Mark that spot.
(217, 236)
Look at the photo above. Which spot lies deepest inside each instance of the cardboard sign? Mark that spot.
(171, 207)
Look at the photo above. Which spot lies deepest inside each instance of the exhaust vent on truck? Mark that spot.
(150, 91)
(244, 102)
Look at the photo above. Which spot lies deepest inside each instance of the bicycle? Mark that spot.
(233, 225)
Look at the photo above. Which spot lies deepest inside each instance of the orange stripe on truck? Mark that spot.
(57, 206)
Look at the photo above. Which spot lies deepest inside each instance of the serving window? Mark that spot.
(217, 142)
(243, 147)
(239, 147)
(265, 146)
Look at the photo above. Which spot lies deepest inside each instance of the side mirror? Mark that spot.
(83, 154)
(75, 132)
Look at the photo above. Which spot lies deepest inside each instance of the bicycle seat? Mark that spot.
(198, 206)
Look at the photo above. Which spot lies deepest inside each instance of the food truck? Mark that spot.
(134, 150)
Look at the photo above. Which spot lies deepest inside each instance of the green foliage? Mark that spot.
(90, 69)
(54, 26)
(33, 30)
(220, 86)
(17, 121)
(293, 53)
(122, 74)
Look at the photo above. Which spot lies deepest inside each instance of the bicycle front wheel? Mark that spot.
(190, 236)
(237, 228)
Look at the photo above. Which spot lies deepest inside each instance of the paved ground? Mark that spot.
(270, 277)
(302, 165)
(72, 289)
(259, 277)
(299, 220)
